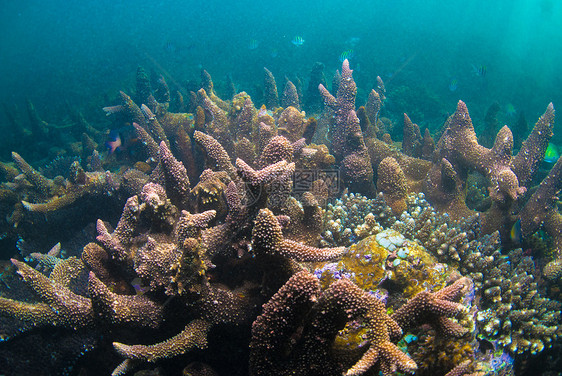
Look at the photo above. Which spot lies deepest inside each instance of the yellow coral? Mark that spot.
(375, 258)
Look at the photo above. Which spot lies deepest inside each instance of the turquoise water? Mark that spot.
(55, 51)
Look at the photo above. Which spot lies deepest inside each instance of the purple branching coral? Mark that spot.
(237, 246)
(347, 139)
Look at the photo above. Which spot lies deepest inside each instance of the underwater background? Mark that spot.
(121, 234)
(53, 52)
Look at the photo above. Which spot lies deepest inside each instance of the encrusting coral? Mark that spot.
(236, 251)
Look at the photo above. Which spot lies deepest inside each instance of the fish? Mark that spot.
(274, 52)
(409, 338)
(453, 85)
(346, 55)
(551, 154)
(510, 110)
(114, 143)
(298, 41)
(353, 41)
(121, 139)
(253, 44)
(170, 47)
(479, 71)
(515, 234)
(137, 284)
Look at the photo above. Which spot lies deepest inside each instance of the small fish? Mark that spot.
(409, 338)
(510, 110)
(551, 154)
(121, 139)
(170, 47)
(274, 52)
(137, 284)
(479, 71)
(515, 234)
(254, 43)
(353, 41)
(114, 143)
(453, 85)
(346, 55)
(298, 41)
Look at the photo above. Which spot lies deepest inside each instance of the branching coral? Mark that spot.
(268, 238)
(347, 138)
(308, 348)
(238, 247)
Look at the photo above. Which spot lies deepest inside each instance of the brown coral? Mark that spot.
(392, 183)
(267, 238)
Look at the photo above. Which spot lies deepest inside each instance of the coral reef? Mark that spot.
(244, 248)
(347, 139)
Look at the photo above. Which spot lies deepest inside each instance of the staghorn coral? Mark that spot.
(243, 116)
(309, 347)
(43, 185)
(173, 175)
(270, 95)
(458, 152)
(277, 149)
(291, 123)
(373, 107)
(218, 127)
(290, 96)
(540, 211)
(267, 238)
(533, 148)
(434, 308)
(208, 85)
(137, 310)
(75, 188)
(193, 336)
(94, 184)
(216, 153)
(412, 141)
(154, 126)
(392, 183)
(62, 307)
(209, 256)
(347, 139)
(161, 264)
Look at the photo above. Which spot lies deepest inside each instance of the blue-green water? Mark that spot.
(57, 51)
